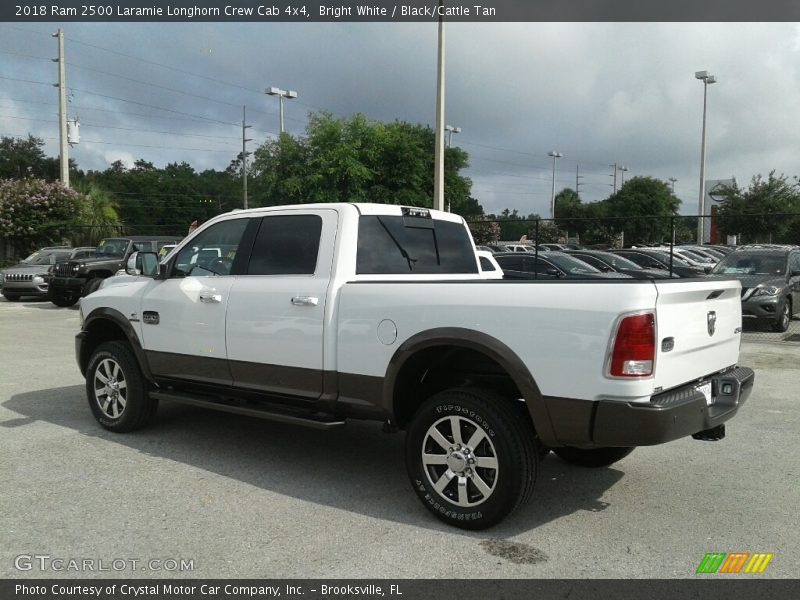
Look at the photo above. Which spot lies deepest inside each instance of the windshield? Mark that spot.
(46, 258)
(617, 261)
(739, 263)
(676, 260)
(112, 247)
(570, 265)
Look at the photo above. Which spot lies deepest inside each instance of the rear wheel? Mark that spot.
(782, 322)
(118, 394)
(592, 457)
(471, 457)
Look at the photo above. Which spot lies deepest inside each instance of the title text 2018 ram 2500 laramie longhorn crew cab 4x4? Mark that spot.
(314, 314)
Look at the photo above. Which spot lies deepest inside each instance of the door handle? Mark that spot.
(210, 298)
(305, 300)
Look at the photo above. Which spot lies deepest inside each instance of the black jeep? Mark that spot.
(75, 278)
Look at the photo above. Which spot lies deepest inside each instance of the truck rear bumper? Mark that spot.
(678, 413)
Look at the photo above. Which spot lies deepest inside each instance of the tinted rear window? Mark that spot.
(398, 246)
(286, 245)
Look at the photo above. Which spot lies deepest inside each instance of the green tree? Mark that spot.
(766, 211)
(34, 212)
(22, 158)
(641, 209)
(357, 160)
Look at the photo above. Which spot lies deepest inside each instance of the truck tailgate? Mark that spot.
(704, 320)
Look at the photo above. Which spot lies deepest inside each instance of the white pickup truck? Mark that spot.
(318, 313)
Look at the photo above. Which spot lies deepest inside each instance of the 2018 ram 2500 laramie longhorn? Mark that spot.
(318, 313)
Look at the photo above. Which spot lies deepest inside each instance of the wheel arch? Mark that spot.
(407, 370)
(104, 325)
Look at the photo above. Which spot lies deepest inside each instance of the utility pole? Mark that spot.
(245, 154)
(62, 108)
(438, 169)
(614, 176)
(578, 178)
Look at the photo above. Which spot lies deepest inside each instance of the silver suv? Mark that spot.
(30, 276)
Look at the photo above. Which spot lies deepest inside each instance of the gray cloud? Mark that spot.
(598, 93)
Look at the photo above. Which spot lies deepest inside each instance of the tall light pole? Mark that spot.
(556, 156)
(291, 95)
(614, 175)
(624, 170)
(707, 78)
(245, 154)
(438, 161)
(672, 181)
(450, 131)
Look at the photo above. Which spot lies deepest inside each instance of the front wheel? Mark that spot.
(62, 298)
(471, 457)
(92, 285)
(781, 324)
(592, 457)
(118, 394)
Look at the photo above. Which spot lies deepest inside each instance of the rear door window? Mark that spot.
(286, 245)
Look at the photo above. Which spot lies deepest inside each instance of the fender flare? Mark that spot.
(485, 344)
(116, 317)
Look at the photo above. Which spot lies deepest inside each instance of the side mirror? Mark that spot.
(553, 272)
(142, 263)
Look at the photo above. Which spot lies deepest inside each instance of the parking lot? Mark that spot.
(249, 498)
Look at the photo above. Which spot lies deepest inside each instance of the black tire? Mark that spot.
(62, 298)
(592, 457)
(781, 324)
(507, 437)
(12, 297)
(138, 407)
(92, 285)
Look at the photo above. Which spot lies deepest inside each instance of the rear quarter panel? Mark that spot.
(560, 330)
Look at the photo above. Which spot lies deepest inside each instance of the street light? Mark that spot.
(707, 78)
(672, 180)
(622, 180)
(291, 95)
(556, 156)
(450, 131)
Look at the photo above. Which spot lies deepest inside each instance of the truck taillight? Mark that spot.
(634, 347)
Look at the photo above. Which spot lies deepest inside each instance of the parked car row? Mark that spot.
(30, 277)
(63, 274)
(769, 273)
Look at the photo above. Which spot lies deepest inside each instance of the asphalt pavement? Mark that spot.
(247, 498)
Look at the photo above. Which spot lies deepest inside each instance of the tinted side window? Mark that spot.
(212, 252)
(794, 262)
(486, 265)
(399, 246)
(286, 245)
(513, 263)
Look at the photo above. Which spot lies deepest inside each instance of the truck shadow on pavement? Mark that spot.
(357, 468)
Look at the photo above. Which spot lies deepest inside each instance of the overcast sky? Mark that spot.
(598, 93)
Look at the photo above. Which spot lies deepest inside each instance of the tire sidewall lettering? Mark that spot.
(446, 409)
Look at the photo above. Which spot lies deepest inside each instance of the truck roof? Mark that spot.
(363, 208)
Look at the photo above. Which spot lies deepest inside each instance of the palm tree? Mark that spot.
(98, 217)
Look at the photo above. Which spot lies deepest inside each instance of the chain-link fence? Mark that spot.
(758, 250)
